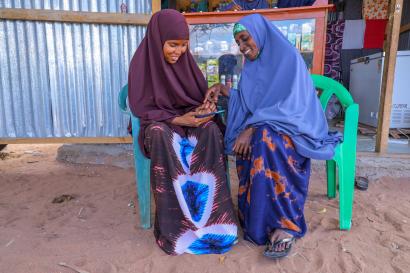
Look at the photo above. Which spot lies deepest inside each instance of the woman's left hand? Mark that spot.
(242, 145)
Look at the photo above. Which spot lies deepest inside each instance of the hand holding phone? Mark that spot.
(209, 114)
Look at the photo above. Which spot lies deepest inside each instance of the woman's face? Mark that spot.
(247, 45)
(173, 49)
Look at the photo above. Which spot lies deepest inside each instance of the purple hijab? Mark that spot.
(157, 90)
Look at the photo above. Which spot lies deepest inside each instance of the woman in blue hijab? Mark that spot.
(275, 126)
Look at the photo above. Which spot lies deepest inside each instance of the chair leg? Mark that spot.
(142, 169)
(346, 189)
(331, 178)
(144, 192)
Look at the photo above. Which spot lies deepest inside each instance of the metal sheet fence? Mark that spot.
(62, 79)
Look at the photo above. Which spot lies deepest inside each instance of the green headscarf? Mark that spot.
(238, 28)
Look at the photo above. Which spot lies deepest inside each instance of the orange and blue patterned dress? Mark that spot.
(273, 186)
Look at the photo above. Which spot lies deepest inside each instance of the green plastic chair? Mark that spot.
(142, 165)
(345, 154)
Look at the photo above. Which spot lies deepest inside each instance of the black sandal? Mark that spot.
(361, 183)
(270, 253)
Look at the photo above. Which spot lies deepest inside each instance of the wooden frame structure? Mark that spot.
(318, 12)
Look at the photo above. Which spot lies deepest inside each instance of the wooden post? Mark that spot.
(393, 32)
(156, 6)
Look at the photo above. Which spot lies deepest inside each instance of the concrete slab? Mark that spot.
(119, 155)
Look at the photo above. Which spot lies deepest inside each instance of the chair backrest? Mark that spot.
(122, 99)
(331, 87)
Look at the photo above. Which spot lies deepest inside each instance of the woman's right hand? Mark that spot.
(213, 93)
(189, 120)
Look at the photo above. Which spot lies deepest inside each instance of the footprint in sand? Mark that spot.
(121, 193)
(400, 262)
(323, 222)
(80, 262)
(54, 214)
(381, 197)
(313, 225)
(106, 267)
(318, 260)
(149, 250)
(51, 236)
(11, 221)
(148, 267)
(329, 223)
(394, 220)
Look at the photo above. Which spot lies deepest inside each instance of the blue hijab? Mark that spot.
(276, 89)
(255, 4)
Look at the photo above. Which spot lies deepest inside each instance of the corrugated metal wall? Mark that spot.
(62, 79)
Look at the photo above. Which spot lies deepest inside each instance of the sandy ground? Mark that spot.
(99, 232)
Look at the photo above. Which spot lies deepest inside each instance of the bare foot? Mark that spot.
(277, 235)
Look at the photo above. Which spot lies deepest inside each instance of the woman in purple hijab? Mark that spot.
(194, 211)
(275, 126)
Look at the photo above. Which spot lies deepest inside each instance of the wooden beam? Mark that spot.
(75, 16)
(393, 33)
(405, 28)
(66, 140)
(156, 5)
(279, 14)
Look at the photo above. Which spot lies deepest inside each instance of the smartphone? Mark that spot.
(210, 114)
